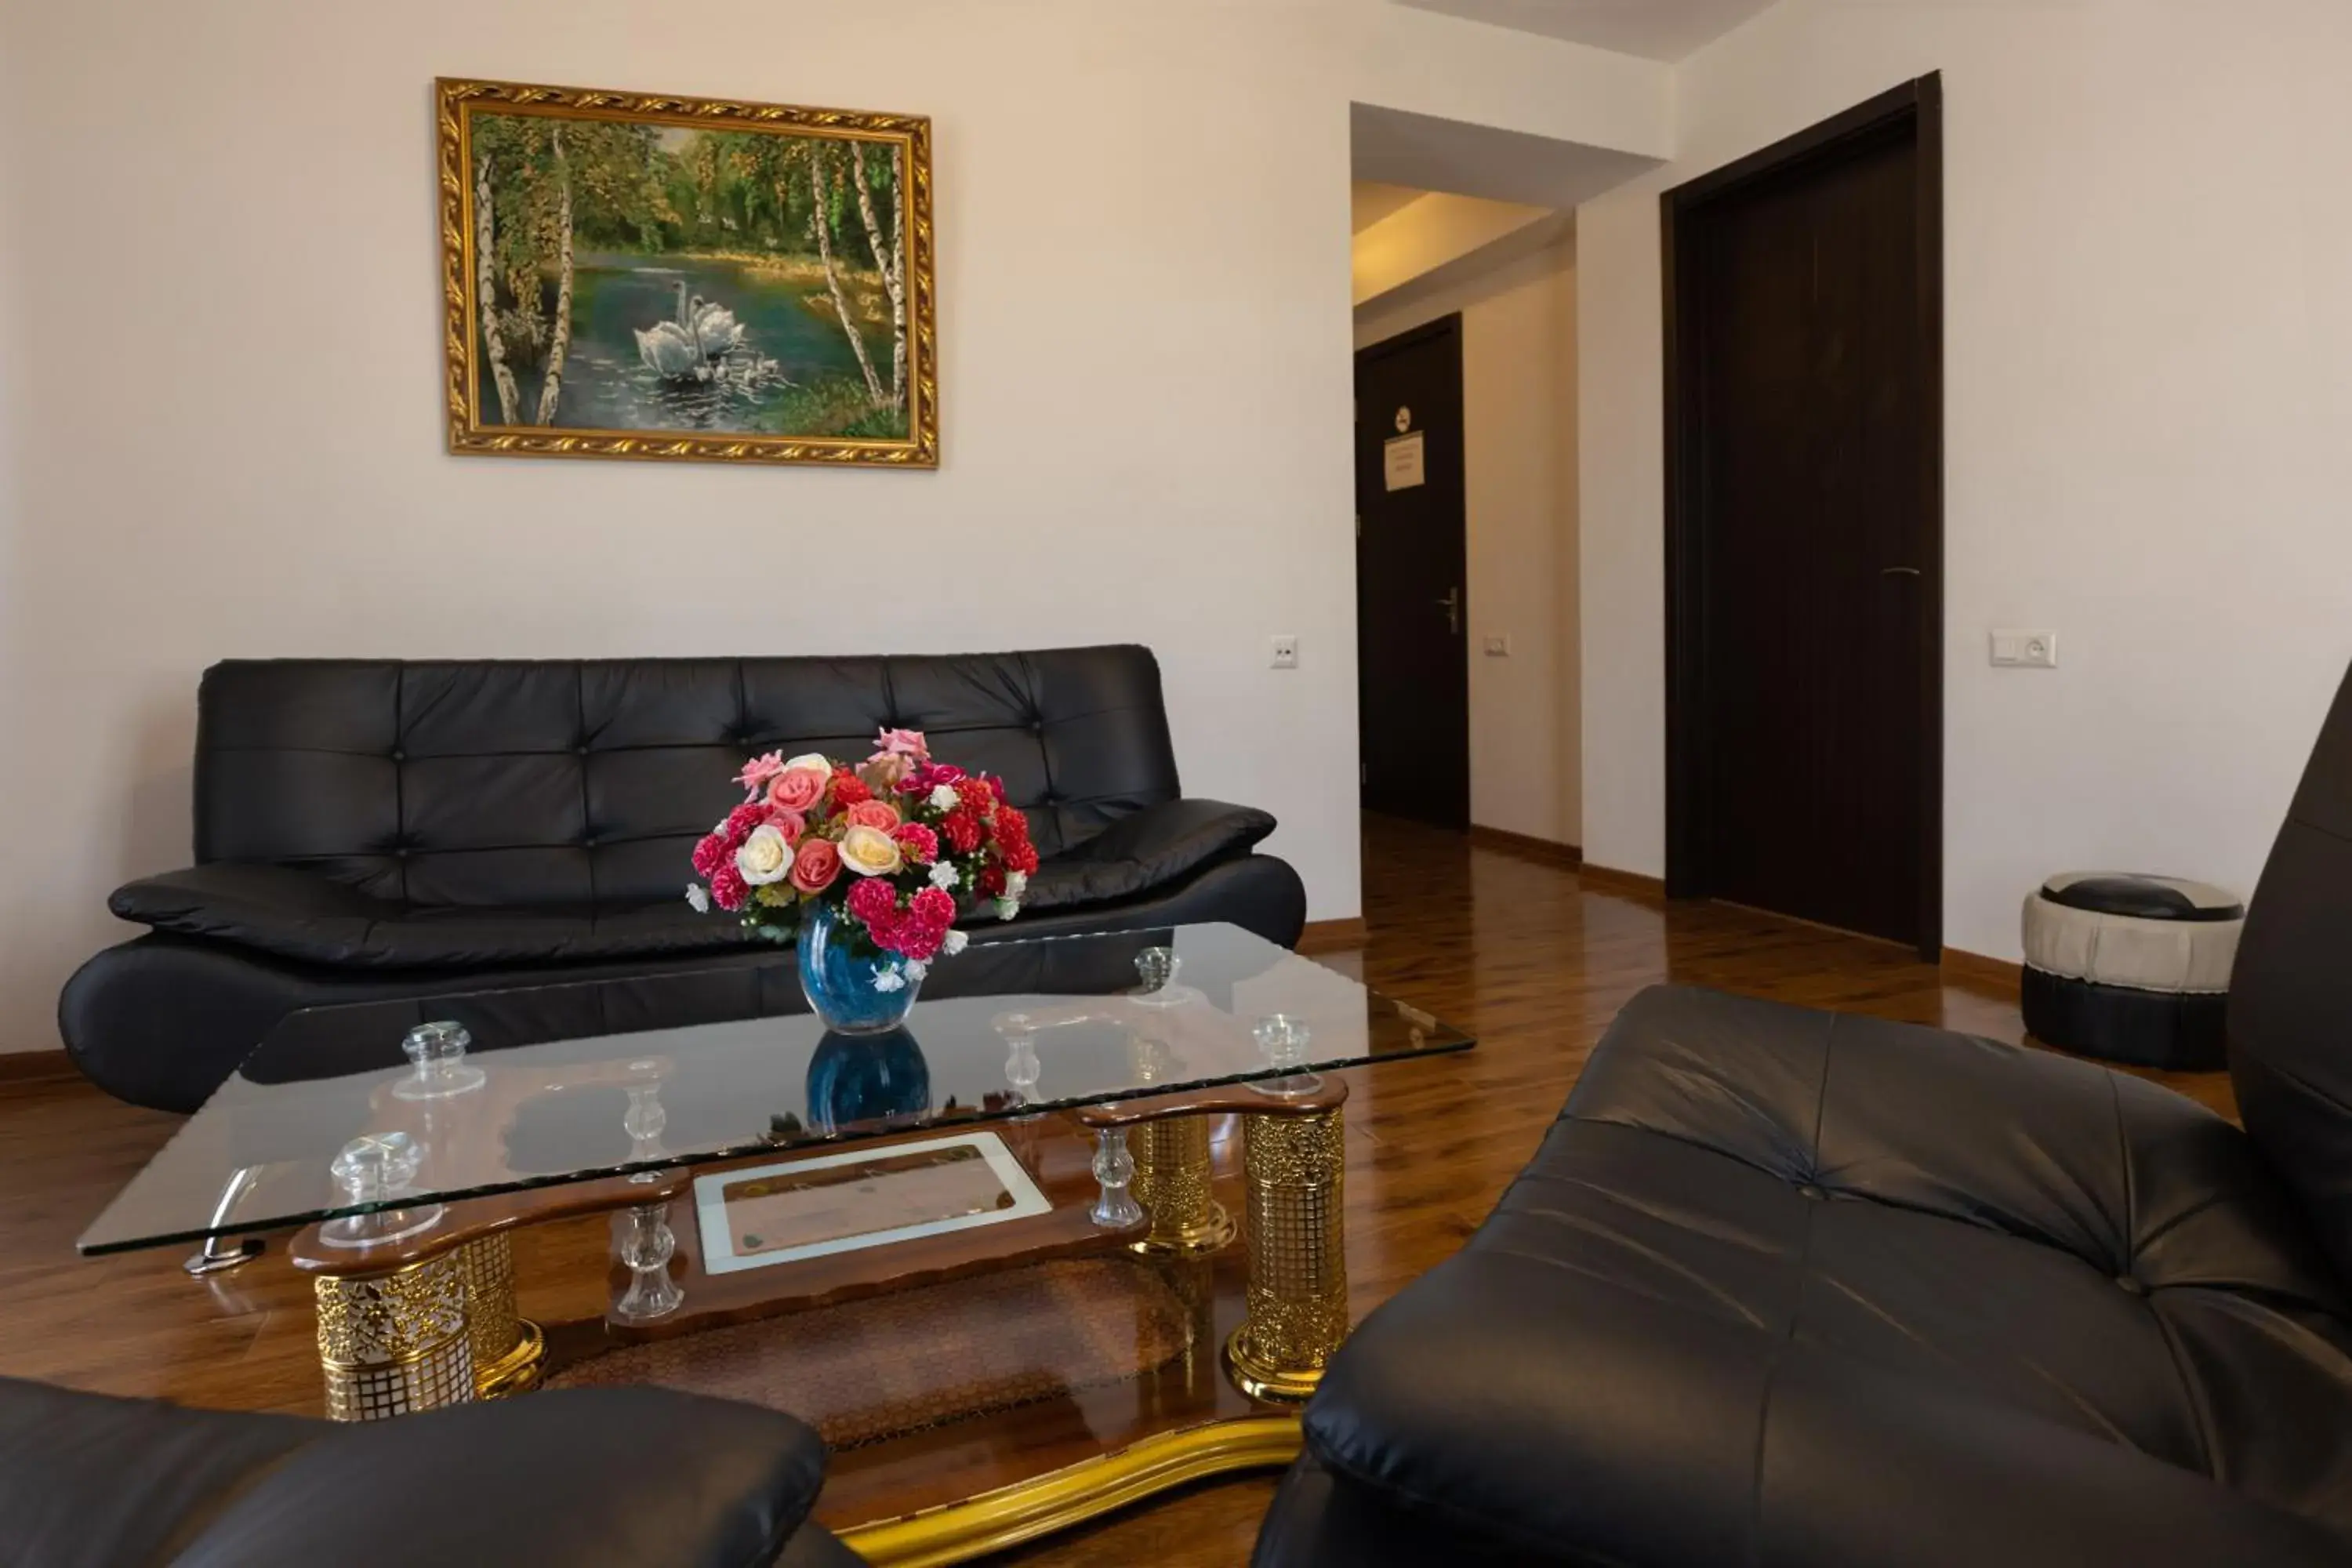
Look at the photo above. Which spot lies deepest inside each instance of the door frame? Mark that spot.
(1914, 110)
(1447, 326)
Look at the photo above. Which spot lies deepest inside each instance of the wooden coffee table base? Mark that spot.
(431, 1321)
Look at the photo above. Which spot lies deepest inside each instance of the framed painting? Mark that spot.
(627, 275)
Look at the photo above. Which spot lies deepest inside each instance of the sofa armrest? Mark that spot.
(1578, 1421)
(1147, 850)
(254, 904)
(575, 1478)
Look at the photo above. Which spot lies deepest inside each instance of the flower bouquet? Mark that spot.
(866, 866)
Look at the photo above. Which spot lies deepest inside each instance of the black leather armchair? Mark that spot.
(374, 830)
(1786, 1289)
(638, 1477)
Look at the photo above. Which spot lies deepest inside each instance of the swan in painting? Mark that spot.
(669, 348)
(713, 327)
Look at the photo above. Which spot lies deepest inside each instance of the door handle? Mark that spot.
(1898, 571)
(1452, 605)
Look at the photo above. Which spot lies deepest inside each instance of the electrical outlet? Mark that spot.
(1498, 647)
(1286, 653)
(2025, 650)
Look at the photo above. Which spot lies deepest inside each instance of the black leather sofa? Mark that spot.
(634, 1477)
(371, 830)
(1784, 1289)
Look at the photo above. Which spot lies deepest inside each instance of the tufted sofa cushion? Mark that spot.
(584, 783)
(1790, 1287)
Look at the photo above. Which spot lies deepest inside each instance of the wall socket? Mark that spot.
(1285, 652)
(2025, 650)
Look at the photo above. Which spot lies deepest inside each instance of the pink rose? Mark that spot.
(790, 824)
(796, 789)
(815, 865)
(903, 743)
(879, 813)
(759, 770)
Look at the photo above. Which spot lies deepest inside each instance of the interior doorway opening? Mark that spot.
(1468, 651)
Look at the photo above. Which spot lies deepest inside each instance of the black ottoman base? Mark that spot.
(2177, 1029)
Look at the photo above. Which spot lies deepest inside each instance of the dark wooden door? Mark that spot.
(1412, 664)
(1812, 548)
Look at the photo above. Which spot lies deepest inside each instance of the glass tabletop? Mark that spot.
(330, 1117)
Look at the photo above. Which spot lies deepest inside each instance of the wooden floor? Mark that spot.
(1531, 958)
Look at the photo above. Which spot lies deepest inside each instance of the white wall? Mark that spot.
(2150, 384)
(222, 343)
(1518, 396)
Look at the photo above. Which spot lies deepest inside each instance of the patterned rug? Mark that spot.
(865, 1371)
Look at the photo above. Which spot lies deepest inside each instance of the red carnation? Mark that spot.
(739, 825)
(932, 906)
(1011, 827)
(961, 829)
(874, 901)
(848, 790)
(1022, 858)
(991, 882)
(917, 843)
(709, 855)
(918, 942)
(727, 888)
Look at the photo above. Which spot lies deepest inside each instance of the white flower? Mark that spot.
(817, 760)
(954, 943)
(870, 852)
(1007, 908)
(944, 797)
(765, 857)
(699, 897)
(1015, 884)
(917, 969)
(943, 875)
(890, 980)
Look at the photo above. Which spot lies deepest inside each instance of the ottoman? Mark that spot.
(2131, 968)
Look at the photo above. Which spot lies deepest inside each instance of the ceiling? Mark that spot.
(1370, 201)
(1422, 153)
(1660, 29)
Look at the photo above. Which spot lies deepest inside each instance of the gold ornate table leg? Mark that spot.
(506, 1347)
(1171, 1182)
(1295, 1307)
(398, 1342)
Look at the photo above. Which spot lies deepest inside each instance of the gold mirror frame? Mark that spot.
(456, 100)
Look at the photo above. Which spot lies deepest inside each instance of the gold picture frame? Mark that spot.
(685, 278)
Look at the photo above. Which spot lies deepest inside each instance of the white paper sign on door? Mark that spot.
(1402, 462)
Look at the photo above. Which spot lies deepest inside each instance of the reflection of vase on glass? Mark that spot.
(864, 1079)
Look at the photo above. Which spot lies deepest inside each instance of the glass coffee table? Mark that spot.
(986, 1245)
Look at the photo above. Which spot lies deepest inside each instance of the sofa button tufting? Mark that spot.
(398, 755)
(1812, 1191)
(589, 842)
(2131, 1286)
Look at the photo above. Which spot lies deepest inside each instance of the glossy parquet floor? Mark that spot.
(1530, 958)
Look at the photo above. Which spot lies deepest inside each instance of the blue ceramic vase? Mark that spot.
(851, 989)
